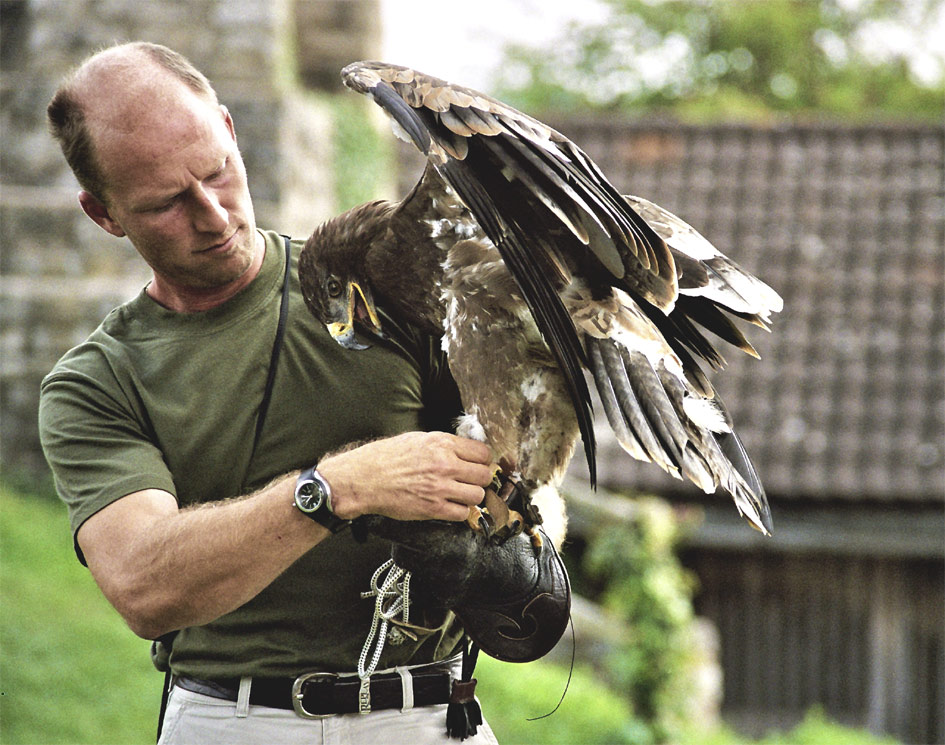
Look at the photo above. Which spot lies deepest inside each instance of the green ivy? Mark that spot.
(641, 579)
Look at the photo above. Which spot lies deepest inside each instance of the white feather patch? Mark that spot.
(706, 413)
(532, 387)
(468, 425)
(554, 517)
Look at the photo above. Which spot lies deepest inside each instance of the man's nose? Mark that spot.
(207, 213)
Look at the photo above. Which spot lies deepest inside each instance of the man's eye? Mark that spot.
(166, 206)
(333, 287)
(221, 170)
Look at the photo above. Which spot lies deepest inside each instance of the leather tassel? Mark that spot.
(463, 715)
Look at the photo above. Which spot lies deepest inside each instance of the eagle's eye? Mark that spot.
(334, 287)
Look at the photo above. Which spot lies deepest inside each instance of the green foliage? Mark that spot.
(364, 156)
(641, 580)
(710, 59)
(590, 713)
(815, 729)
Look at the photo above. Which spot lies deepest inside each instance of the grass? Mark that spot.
(512, 695)
(71, 672)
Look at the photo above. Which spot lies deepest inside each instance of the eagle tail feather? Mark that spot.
(753, 494)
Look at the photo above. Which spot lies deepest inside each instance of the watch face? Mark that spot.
(310, 496)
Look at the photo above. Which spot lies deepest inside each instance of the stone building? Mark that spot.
(59, 273)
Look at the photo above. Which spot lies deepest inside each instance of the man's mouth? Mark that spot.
(222, 246)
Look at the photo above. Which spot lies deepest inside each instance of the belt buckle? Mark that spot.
(298, 694)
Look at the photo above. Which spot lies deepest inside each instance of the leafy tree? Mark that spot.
(744, 59)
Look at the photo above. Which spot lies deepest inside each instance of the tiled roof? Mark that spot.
(848, 225)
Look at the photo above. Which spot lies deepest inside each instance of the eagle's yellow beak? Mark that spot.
(360, 307)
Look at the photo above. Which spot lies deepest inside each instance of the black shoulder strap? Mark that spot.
(168, 639)
(276, 348)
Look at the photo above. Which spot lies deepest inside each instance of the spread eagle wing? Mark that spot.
(524, 182)
(614, 284)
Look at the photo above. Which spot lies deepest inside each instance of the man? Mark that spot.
(148, 427)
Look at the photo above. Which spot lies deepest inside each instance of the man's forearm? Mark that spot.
(187, 567)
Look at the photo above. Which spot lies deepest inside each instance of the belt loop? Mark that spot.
(242, 699)
(406, 684)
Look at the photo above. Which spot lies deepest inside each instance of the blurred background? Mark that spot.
(804, 138)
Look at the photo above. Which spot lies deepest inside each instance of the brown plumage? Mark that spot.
(517, 249)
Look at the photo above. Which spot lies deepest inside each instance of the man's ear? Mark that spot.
(98, 212)
(229, 121)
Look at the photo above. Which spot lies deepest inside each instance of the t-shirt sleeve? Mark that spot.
(97, 448)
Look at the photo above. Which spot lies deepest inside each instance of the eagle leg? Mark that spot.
(476, 520)
(503, 522)
(518, 495)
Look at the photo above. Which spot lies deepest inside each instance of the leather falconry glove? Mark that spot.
(513, 598)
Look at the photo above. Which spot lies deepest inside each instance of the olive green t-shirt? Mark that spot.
(165, 400)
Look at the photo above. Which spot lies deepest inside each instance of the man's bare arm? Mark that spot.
(164, 568)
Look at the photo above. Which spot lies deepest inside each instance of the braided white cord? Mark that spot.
(394, 591)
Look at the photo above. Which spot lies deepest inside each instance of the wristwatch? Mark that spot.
(313, 499)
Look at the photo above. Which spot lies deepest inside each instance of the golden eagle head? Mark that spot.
(333, 272)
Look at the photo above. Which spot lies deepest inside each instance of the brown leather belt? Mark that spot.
(325, 694)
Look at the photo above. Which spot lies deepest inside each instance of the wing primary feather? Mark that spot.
(693, 372)
(707, 314)
(562, 208)
(612, 409)
(612, 213)
(618, 379)
(586, 192)
(660, 412)
(401, 112)
(733, 449)
(681, 334)
(661, 259)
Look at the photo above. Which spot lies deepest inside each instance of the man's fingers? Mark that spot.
(424, 475)
(467, 495)
(472, 473)
(472, 451)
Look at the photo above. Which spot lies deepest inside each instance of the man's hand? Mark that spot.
(412, 476)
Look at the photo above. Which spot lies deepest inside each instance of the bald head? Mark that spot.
(110, 92)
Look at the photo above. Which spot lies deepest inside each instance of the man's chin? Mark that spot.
(239, 263)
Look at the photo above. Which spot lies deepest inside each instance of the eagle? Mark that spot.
(517, 251)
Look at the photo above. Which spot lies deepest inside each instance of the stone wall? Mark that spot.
(59, 273)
